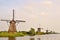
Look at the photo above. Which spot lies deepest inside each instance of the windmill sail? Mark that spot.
(13, 14)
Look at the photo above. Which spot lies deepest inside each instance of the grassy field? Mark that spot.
(6, 34)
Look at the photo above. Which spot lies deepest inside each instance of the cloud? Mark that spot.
(44, 14)
(46, 3)
(34, 8)
(36, 5)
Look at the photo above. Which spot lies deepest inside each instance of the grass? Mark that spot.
(6, 34)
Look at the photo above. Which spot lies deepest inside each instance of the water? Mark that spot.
(37, 37)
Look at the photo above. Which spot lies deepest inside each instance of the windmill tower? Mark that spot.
(39, 29)
(12, 27)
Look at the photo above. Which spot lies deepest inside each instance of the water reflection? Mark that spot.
(38, 38)
(34, 39)
(11, 38)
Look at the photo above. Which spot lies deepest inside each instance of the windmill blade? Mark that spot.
(5, 20)
(20, 21)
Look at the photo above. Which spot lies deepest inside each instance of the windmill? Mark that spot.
(12, 27)
(39, 29)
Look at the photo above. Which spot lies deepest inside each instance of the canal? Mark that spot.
(37, 37)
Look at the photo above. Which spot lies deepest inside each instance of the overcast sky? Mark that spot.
(36, 13)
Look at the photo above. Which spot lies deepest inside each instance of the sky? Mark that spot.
(36, 13)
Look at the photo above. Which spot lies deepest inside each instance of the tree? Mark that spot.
(32, 31)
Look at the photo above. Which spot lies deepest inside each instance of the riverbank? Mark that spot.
(19, 34)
